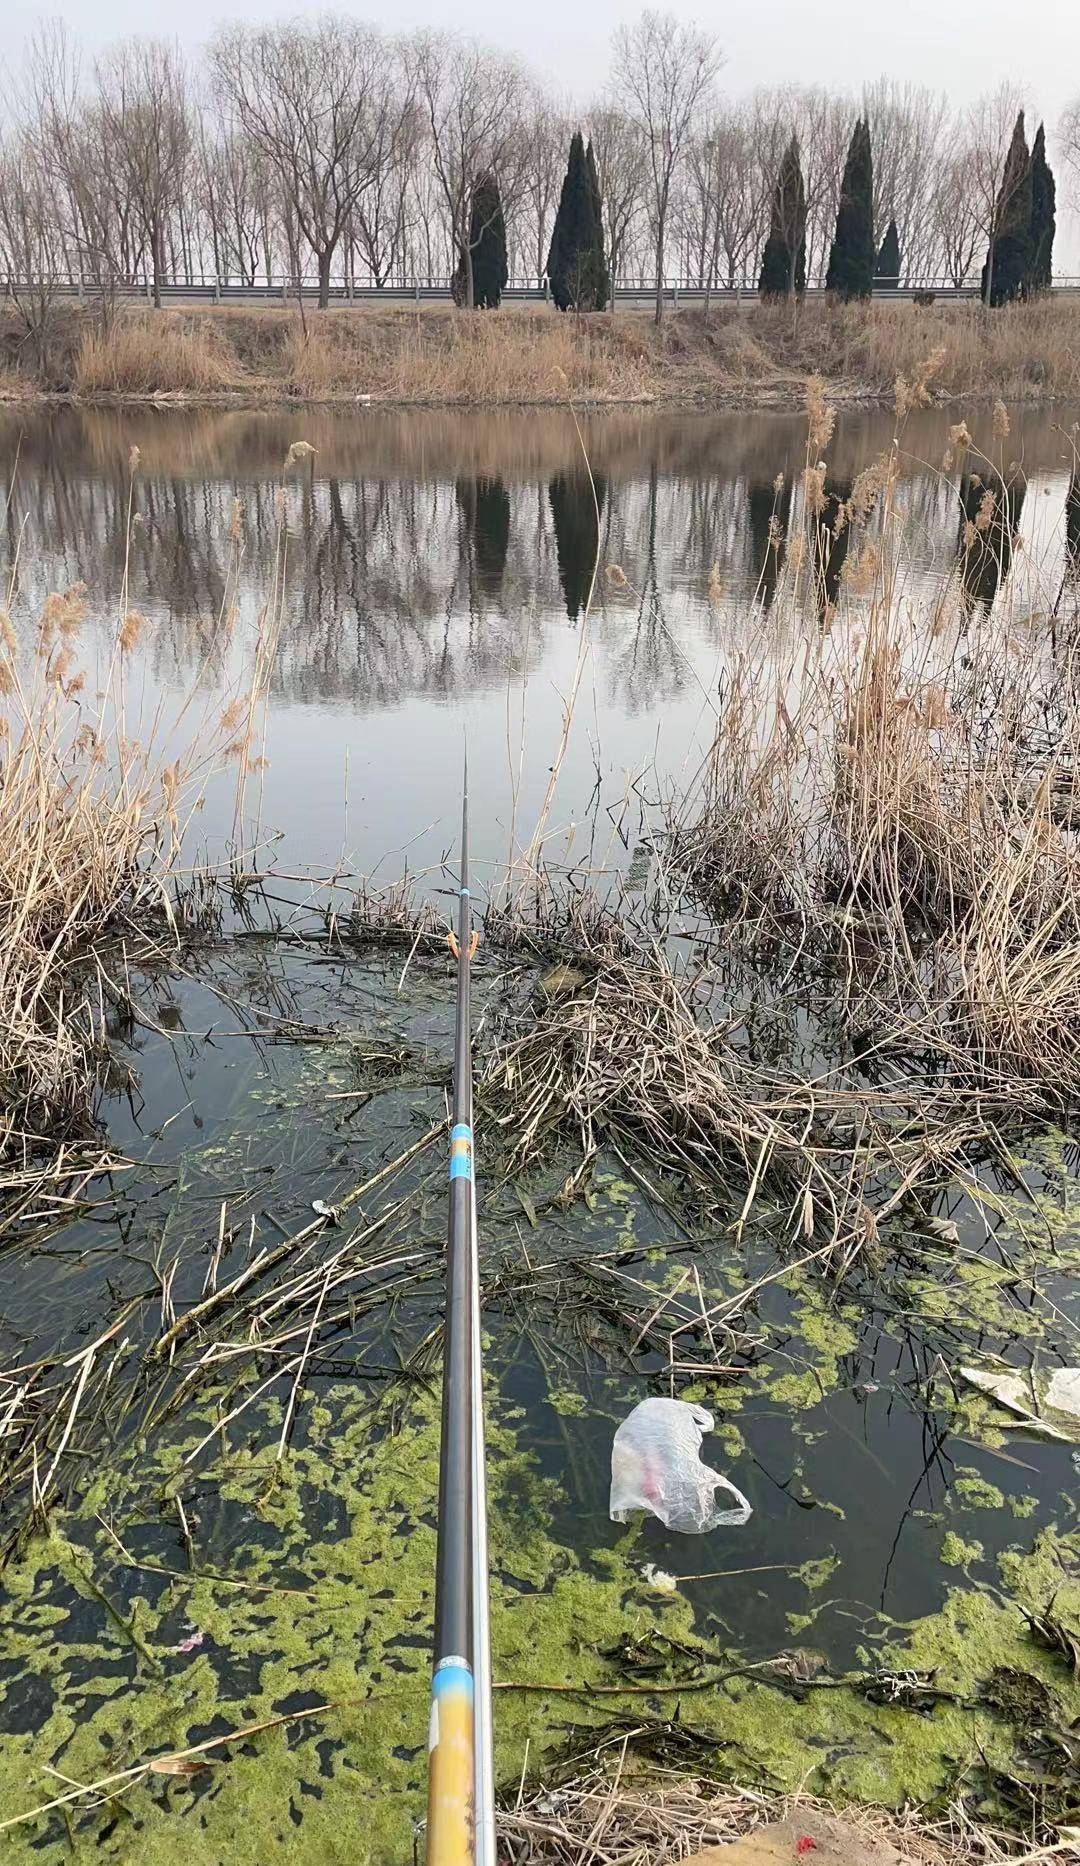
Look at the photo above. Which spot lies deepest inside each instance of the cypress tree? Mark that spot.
(575, 259)
(487, 238)
(1043, 225)
(887, 270)
(783, 263)
(1008, 258)
(851, 259)
(603, 276)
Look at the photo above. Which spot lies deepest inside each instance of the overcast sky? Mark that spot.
(959, 46)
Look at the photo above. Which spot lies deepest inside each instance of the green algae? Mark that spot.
(956, 1553)
(347, 1524)
(347, 1521)
(974, 1491)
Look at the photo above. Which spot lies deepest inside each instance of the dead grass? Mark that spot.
(659, 1819)
(878, 865)
(752, 354)
(1018, 352)
(140, 356)
(424, 358)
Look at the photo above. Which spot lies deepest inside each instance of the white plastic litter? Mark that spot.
(655, 1467)
(1047, 1405)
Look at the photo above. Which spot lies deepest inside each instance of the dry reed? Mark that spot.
(95, 806)
(658, 1818)
(138, 355)
(744, 355)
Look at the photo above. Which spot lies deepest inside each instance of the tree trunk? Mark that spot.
(324, 278)
(659, 314)
(156, 262)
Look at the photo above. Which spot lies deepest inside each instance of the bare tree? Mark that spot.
(1069, 139)
(379, 226)
(956, 221)
(474, 101)
(907, 123)
(31, 248)
(314, 99)
(70, 137)
(664, 72)
(142, 87)
(619, 149)
(822, 122)
(548, 131)
(726, 194)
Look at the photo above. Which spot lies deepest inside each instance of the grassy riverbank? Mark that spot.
(755, 355)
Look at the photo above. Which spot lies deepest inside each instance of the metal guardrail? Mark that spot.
(283, 291)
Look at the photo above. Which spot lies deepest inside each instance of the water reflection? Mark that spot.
(577, 509)
(991, 508)
(438, 559)
(832, 539)
(769, 512)
(485, 510)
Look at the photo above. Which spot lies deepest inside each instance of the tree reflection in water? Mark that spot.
(442, 553)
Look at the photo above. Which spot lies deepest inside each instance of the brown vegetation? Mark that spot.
(756, 355)
(877, 865)
(94, 806)
(639, 1820)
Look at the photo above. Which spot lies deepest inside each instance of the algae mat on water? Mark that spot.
(317, 1589)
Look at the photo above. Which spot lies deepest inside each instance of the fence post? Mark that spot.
(217, 290)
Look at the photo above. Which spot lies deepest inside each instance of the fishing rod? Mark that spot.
(461, 1803)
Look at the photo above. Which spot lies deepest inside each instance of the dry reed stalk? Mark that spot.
(526, 355)
(140, 354)
(95, 807)
(657, 1817)
(626, 1057)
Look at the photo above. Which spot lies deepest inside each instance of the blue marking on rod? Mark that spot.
(461, 1151)
(452, 1675)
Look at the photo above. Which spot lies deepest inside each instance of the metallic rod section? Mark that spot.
(461, 1815)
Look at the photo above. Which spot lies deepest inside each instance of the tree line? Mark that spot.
(1019, 219)
(327, 150)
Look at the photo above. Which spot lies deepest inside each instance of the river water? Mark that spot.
(434, 587)
(437, 571)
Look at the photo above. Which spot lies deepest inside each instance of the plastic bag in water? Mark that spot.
(655, 1466)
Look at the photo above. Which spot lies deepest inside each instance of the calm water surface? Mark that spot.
(438, 567)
